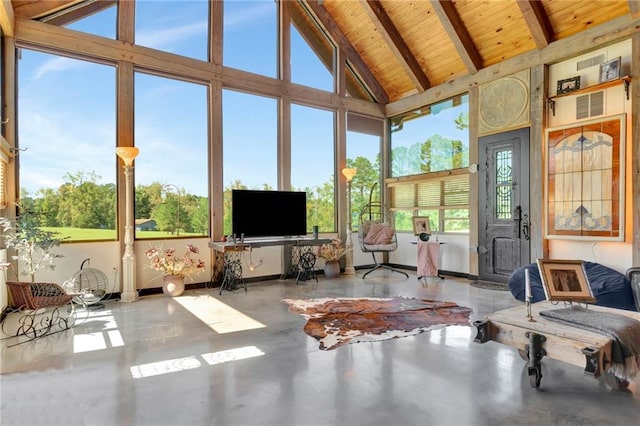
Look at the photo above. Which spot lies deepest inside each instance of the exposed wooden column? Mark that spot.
(7, 18)
(539, 78)
(634, 8)
(285, 40)
(635, 145)
(126, 21)
(474, 180)
(8, 116)
(216, 33)
(216, 171)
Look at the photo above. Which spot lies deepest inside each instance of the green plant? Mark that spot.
(33, 245)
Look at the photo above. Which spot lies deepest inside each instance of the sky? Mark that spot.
(67, 106)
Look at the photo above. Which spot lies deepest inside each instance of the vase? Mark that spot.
(332, 269)
(172, 285)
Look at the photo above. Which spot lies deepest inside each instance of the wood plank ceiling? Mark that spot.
(403, 47)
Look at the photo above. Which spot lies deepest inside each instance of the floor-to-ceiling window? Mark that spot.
(66, 130)
(250, 147)
(172, 167)
(313, 163)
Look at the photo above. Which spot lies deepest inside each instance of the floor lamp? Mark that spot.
(349, 173)
(129, 294)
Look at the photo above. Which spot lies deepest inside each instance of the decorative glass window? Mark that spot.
(585, 180)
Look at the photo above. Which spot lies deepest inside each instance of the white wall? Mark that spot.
(616, 255)
(106, 256)
(454, 252)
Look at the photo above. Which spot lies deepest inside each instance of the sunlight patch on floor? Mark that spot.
(232, 355)
(221, 317)
(164, 367)
(190, 362)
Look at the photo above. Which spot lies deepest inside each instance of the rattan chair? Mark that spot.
(376, 233)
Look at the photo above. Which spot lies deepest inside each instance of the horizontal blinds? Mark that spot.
(431, 193)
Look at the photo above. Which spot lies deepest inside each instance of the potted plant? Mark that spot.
(33, 246)
(331, 253)
(175, 268)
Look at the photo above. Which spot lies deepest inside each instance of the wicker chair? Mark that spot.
(376, 233)
(41, 309)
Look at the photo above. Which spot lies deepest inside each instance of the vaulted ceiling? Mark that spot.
(402, 47)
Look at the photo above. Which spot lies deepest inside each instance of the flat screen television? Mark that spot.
(268, 213)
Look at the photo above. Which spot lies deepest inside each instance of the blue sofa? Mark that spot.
(609, 287)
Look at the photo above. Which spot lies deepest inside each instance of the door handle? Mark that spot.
(517, 217)
(525, 226)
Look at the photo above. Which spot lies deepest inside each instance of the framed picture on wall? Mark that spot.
(565, 280)
(610, 70)
(568, 85)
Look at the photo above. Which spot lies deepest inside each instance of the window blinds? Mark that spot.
(430, 193)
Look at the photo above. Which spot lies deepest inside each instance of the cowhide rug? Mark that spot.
(336, 322)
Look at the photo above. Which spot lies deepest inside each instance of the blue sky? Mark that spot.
(171, 115)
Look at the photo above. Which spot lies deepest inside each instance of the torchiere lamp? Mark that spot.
(129, 294)
(349, 173)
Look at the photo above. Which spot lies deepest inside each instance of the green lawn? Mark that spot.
(85, 234)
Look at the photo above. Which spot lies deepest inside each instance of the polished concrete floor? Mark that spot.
(243, 359)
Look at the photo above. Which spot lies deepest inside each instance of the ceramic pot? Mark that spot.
(172, 285)
(332, 269)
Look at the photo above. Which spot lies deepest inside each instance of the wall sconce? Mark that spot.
(349, 173)
(129, 293)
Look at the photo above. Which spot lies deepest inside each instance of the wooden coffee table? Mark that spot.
(541, 337)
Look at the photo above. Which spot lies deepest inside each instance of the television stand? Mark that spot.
(227, 253)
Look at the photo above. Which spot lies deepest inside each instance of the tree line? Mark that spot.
(82, 202)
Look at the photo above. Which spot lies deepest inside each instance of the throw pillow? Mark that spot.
(379, 234)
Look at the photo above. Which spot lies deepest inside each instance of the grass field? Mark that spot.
(85, 234)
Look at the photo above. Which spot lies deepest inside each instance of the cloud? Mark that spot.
(56, 65)
(249, 16)
(160, 39)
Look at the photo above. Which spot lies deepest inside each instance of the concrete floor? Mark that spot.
(160, 361)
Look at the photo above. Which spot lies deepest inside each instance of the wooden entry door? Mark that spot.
(503, 197)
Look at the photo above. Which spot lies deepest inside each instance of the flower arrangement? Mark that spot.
(165, 260)
(332, 251)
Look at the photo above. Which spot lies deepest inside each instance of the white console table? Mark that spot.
(228, 267)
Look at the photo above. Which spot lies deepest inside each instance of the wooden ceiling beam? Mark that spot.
(334, 31)
(394, 40)
(585, 41)
(538, 22)
(77, 11)
(34, 9)
(7, 19)
(450, 20)
(634, 8)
